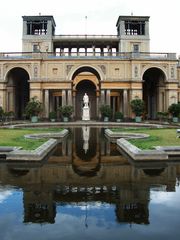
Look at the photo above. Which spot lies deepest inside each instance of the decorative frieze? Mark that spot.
(136, 73)
(35, 70)
(172, 72)
(103, 68)
(68, 68)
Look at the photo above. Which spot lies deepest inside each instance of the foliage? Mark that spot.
(106, 111)
(162, 115)
(66, 111)
(118, 115)
(137, 106)
(174, 109)
(5, 116)
(53, 115)
(1, 112)
(8, 115)
(33, 107)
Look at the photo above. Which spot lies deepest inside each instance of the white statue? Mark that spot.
(86, 110)
(86, 100)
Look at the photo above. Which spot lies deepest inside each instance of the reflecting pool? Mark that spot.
(87, 190)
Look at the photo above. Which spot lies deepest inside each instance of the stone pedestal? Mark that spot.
(86, 113)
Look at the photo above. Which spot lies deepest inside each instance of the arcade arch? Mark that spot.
(17, 91)
(86, 80)
(154, 91)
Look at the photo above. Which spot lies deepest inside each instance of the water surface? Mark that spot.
(87, 190)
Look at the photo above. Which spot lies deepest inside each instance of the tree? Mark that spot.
(137, 106)
(33, 107)
(66, 111)
(106, 111)
(174, 109)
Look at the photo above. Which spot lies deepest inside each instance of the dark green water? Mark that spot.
(87, 190)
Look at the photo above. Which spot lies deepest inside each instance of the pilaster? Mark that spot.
(46, 102)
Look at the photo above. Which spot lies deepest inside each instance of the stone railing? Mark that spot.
(87, 55)
(85, 36)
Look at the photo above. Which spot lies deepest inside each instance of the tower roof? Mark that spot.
(39, 18)
(132, 18)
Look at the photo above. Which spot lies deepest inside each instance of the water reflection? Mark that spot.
(86, 131)
(88, 180)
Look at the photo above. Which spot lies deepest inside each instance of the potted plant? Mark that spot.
(118, 116)
(162, 116)
(33, 109)
(66, 111)
(52, 116)
(8, 116)
(138, 107)
(106, 112)
(1, 113)
(174, 110)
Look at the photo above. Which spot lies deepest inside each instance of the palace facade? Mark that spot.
(111, 69)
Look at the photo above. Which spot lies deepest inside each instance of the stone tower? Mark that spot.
(38, 32)
(133, 32)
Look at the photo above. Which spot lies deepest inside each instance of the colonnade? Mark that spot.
(68, 97)
(122, 100)
(93, 51)
(63, 98)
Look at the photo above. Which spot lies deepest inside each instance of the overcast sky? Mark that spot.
(101, 15)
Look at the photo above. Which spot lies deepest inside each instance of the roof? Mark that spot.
(132, 18)
(39, 18)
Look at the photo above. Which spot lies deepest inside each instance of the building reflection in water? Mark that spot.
(84, 168)
(86, 131)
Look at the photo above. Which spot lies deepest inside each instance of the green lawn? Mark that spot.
(15, 137)
(158, 137)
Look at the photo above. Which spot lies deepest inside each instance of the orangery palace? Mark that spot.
(111, 69)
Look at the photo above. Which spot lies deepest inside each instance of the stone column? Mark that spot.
(57, 106)
(117, 52)
(64, 143)
(114, 105)
(108, 149)
(94, 50)
(31, 33)
(160, 101)
(69, 51)
(24, 28)
(51, 107)
(102, 53)
(62, 52)
(118, 104)
(69, 147)
(102, 144)
(121, 102)
(69, 97)
(46, 102)
(97, 107)
(3, 96)
(63, 97)
(57, 102)
(74, 103)
(109, 50)
(102, 97)
(108, 97)
(125, 103)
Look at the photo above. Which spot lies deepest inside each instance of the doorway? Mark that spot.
(86, 86)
